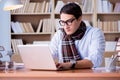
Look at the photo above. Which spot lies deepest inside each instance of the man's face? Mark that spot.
(69, 23)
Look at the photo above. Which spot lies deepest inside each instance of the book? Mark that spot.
(18, 26)
(38, 7)
(43, 6)
(110, 45)
(99, 7)
(14, 29)
(14, 43)
(59, 5)
(39, 26)
(118, 25)
(105, 6)
(57, 25)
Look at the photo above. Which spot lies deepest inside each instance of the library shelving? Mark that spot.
(109, 19)
(36, 19)
(39, 18)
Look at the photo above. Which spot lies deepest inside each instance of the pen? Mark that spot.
(113, 58)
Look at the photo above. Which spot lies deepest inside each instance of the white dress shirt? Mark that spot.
(91, 46)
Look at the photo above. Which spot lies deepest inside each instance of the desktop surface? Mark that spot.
(77, 74)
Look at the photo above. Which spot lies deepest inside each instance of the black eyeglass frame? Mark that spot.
(67, 22)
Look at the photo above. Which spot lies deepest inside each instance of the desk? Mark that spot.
(81, 74)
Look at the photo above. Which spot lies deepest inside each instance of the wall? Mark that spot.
(5, 36)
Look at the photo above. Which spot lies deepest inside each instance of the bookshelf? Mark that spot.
(32, 16)
(36, 12)
(110, 20)
(35, 17)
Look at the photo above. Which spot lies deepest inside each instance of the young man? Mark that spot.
(76, 45)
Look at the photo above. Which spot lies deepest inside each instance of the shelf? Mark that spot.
(110, 52)
(84, 13)
(30, 14)
(112, 13)
(31, 39)
(49, 33)
(111, 32)
(34, 18)
(108, 16)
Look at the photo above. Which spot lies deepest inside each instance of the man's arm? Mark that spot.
(85, 63)
(81, 64)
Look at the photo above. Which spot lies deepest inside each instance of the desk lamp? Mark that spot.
(12, 4)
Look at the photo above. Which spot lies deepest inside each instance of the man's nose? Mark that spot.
(66, 26)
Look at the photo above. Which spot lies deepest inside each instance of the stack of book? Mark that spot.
(86, 5)
(106, 6)
(44, 26)
(110, 46)
(22, 27)
(14, 43)
(109, 26)
(34, 7)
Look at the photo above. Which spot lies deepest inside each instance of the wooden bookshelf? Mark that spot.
(33, 18)
(48, 12)
(110, 16)
(23, 16)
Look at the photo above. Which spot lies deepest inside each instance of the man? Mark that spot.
(76, 45)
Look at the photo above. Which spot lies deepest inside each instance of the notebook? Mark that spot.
(37, 57)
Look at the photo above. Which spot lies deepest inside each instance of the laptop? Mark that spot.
(37, 57)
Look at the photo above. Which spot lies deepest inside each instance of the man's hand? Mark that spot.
(64, 66)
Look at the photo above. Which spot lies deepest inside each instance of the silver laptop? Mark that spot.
(37, 57)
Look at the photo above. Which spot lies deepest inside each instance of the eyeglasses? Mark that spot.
(67, 22)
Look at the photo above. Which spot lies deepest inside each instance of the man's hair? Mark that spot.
(73, 9)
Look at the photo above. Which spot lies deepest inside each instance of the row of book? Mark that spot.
(106, 6)
(15, 43)
(110, 45)
(34, 7)
(109, 26)
(45, 25)
(26, 27)
(113, 45)
(45, 6)
(86, 5)
(22, 27)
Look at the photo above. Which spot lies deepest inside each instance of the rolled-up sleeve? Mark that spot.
(96, 48)
(54, 44)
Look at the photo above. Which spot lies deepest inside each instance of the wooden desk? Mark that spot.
(82, 74)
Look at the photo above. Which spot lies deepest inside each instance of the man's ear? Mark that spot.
(80, 19)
